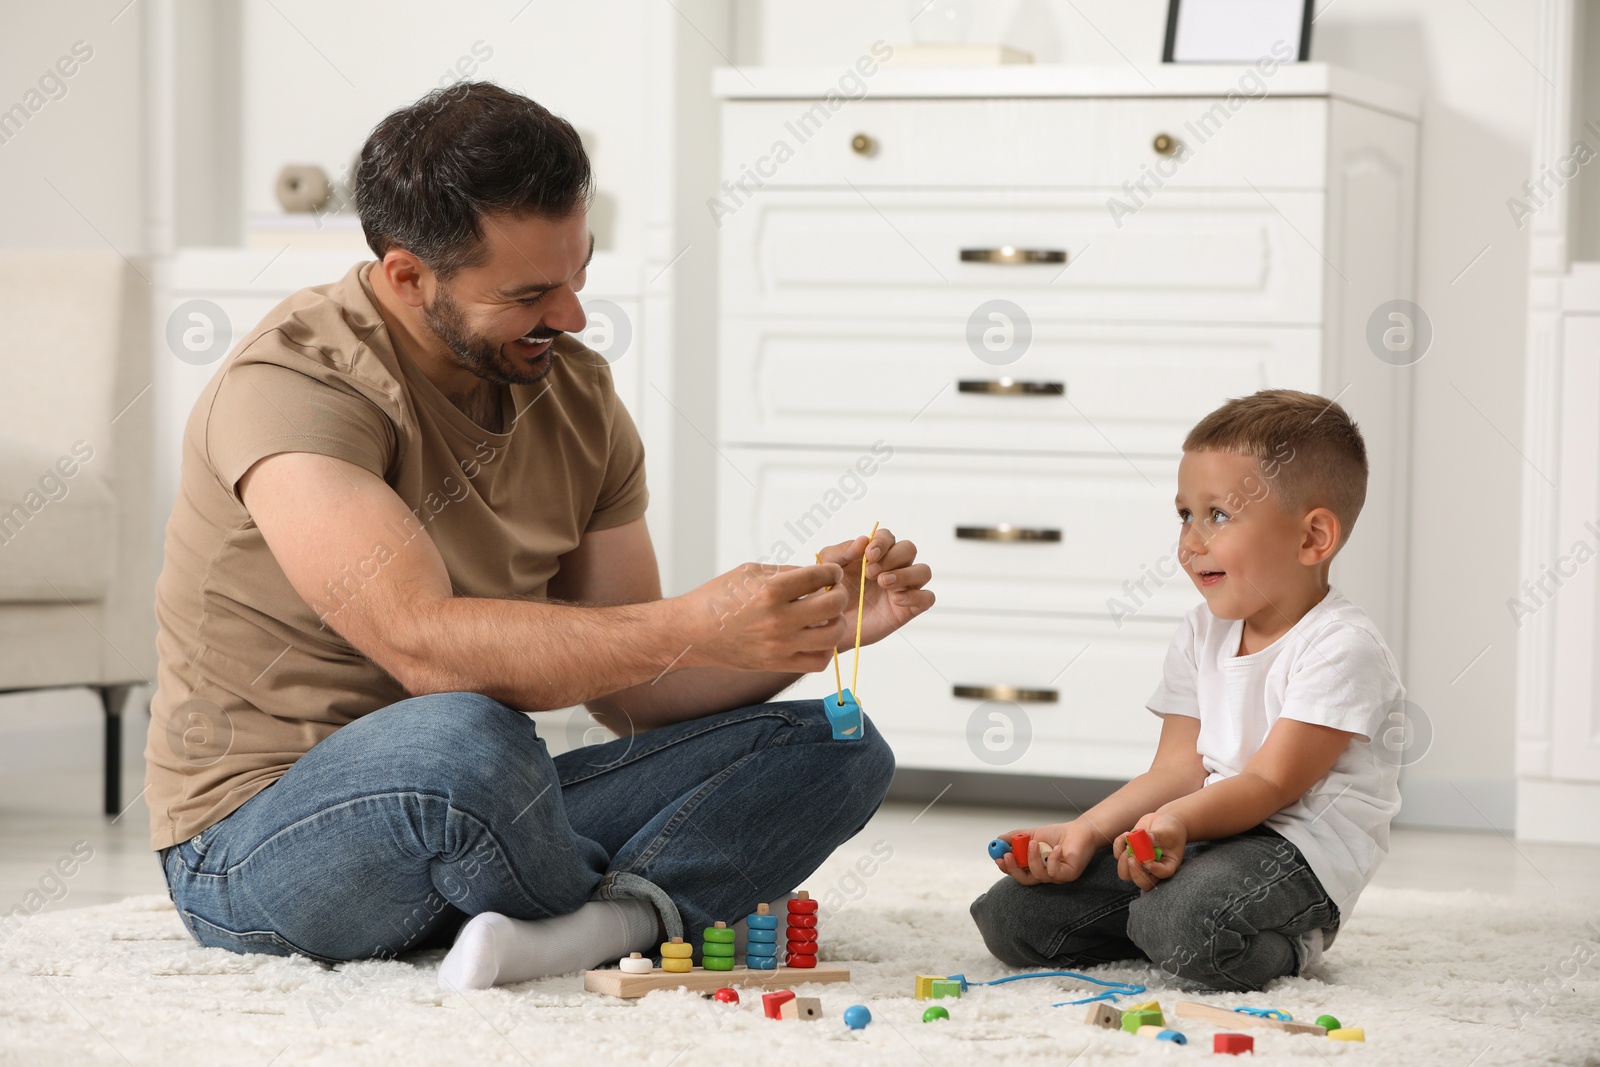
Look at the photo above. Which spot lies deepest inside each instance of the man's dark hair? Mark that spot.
(430, 171)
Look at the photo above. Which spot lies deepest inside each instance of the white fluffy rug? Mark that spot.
(1433, 977)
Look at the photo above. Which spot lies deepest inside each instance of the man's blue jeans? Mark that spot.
(381, 838)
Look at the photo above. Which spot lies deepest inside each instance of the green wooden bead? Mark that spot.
(933, 1013)
(711, 948)
(717, 963)
(1328, 1022)
(720, 935)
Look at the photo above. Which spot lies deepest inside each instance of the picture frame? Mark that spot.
(1236, 31)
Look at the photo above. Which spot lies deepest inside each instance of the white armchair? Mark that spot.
(79, 547)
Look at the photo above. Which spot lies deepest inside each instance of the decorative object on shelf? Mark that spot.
(303, 188)
(939, 30)
(1228, 31)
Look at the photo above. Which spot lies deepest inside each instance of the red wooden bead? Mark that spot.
(802, 961)
(1020, 844)
(803, 921)
(802, 907)
(794, 933)
(726, 996)
(802, 948)
(1144, 849)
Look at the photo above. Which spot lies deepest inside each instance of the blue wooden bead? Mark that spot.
(763, 937)
(756, 948)
(998, 847)
(856, 1017)
(756, 921)
(845, 718)
(762, 963)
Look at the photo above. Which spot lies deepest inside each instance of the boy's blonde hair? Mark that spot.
(1307, 446)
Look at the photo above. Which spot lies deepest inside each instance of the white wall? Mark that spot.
(317, 77)
(1469, 64)
(83, 135)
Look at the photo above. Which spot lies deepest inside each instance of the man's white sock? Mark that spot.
(495, 950)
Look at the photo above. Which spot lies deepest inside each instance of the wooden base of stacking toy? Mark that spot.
(1238, 1020)
(615, 983)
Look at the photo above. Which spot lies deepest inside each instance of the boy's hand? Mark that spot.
(1069, 847)
(1169, 834)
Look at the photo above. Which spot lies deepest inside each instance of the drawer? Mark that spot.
(1113, 518)
(1185, 257)
(1272, 143)
(937, 691)
(918, 384)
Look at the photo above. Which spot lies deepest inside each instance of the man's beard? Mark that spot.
(479, 354)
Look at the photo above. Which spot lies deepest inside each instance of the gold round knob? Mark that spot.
(863, 145)
(1165, 144)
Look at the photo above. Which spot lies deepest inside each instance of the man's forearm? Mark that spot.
(687, 693)
(534, 655)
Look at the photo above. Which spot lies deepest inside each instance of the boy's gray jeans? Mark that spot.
(1238, 913)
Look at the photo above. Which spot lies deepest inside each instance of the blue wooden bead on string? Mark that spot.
(843, 709)
(844, 715)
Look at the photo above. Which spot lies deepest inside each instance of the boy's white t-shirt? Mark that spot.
(1331, 668)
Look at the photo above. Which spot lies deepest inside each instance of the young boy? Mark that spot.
(1267, 797)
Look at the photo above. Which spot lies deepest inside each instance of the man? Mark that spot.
(411, 510)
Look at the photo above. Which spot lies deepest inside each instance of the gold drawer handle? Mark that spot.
(1006, 532)
(863, 145)
(1165, 144)
(1010, 387)
(1009, 255)
(1006, 692)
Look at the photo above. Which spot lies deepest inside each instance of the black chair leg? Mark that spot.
(113, 697)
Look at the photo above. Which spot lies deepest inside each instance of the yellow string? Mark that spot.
(838, 679)
(855, 669)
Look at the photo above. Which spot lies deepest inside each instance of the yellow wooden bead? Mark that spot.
(677, 949)
(676, 965)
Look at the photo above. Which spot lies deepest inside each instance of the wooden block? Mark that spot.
(1223, 1017)
(924, 986)
(806, 1009)
(630, 986)
(940, 988)
(772, 1003)
(1348, 1033)
(1103, 1014)
(1233, 1044)
(1134, 1018)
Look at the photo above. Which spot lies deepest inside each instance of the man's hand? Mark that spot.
(1169, 835)
(760, 617)
(895, 584)
(1071, 846)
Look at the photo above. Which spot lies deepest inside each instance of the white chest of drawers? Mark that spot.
(1030, 448)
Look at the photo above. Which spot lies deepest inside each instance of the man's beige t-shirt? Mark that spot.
(250, 676)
